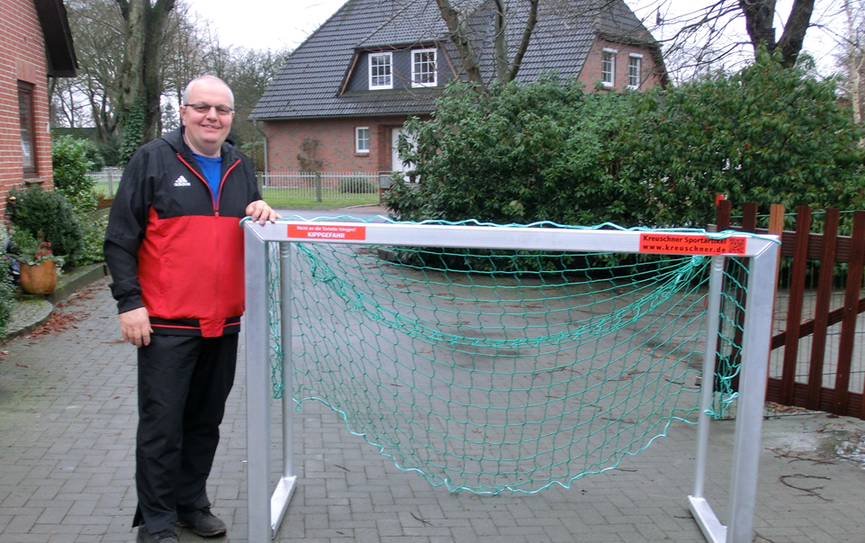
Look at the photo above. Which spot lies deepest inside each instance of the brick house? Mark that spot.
(35, 45)
(350, 86)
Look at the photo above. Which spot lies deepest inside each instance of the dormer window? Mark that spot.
(380, 71)
(423, 68)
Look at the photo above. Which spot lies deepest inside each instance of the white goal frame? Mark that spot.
(267, 508)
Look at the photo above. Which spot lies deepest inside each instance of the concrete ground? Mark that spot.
(67, 430)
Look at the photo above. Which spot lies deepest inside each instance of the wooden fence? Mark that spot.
(830, 375)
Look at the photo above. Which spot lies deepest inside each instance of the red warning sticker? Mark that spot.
(699, 245)
(326, 231)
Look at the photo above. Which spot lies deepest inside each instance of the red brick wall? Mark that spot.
(591, 74)
(22, 58)
(336, 145)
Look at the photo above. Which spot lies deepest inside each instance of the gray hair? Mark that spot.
(207, 77)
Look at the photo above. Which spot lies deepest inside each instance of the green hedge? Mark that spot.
(550, 151)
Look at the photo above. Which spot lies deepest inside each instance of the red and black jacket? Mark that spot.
(174, 250)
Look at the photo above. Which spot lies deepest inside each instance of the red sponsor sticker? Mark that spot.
(327, 232)
(692, 245)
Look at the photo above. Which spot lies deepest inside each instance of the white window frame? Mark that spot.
(608, 56)
(635, 70)
(359, 140)
(415, 64)
(376, 77)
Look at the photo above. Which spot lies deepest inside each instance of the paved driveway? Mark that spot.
(67, 426)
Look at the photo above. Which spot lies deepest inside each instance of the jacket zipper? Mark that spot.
(215, 217)
(214, 201)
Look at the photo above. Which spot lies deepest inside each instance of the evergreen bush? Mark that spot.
(547, 151)
(255, 152)
(47, 211)
(70, 158)
(93, 227)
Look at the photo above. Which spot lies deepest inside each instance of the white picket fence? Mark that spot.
(348, 187)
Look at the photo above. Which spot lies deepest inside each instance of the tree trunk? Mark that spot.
(758, 21)
(141, 84)
(152, 77)
(855, 60)
(524, 42)
(500, 39)
(457, 28)
(794, 32)
(506, 70)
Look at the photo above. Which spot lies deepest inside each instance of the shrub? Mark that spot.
(357, 185)
(47, 211)
(255, 152)
(547, 151)
(766, 134)
(7, 299)
(93, 227)
(70, 158)
(541, 151)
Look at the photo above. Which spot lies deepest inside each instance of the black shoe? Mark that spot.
(165, 536)
(202, 522)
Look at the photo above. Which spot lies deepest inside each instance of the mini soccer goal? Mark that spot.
(490, 358)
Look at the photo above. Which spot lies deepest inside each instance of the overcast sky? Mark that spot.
(268, 24)
(265, 24)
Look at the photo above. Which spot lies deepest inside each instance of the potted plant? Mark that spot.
(39, 265)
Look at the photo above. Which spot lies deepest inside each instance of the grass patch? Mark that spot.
(348, 200)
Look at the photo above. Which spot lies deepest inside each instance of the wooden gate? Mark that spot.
(830, 376)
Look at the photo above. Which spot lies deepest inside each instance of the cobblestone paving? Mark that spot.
(67, 427)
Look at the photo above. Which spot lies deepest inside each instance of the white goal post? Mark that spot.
(267, 507)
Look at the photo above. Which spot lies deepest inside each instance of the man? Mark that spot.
(175, 250)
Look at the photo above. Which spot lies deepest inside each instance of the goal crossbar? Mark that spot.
(266, 508)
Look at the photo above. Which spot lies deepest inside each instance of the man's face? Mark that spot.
(207, 129)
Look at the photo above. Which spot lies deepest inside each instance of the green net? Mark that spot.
(489, 371)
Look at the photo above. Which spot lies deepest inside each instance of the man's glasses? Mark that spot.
(201, 107)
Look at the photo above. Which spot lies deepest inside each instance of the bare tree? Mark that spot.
(98, 31)
(706, 37)
(759, 21)
(853, 58)
(458, 24)
(248, 72)
(186, 56)
(137, 99)
(68, 107)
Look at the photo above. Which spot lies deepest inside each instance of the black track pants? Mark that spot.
(183, 383)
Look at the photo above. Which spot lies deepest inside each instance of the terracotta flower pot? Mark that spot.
(39, 279)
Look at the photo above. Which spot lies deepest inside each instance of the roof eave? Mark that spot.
(321, 117)
(59, 49)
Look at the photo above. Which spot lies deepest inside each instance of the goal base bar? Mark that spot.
(712, 529)
(279, 502)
